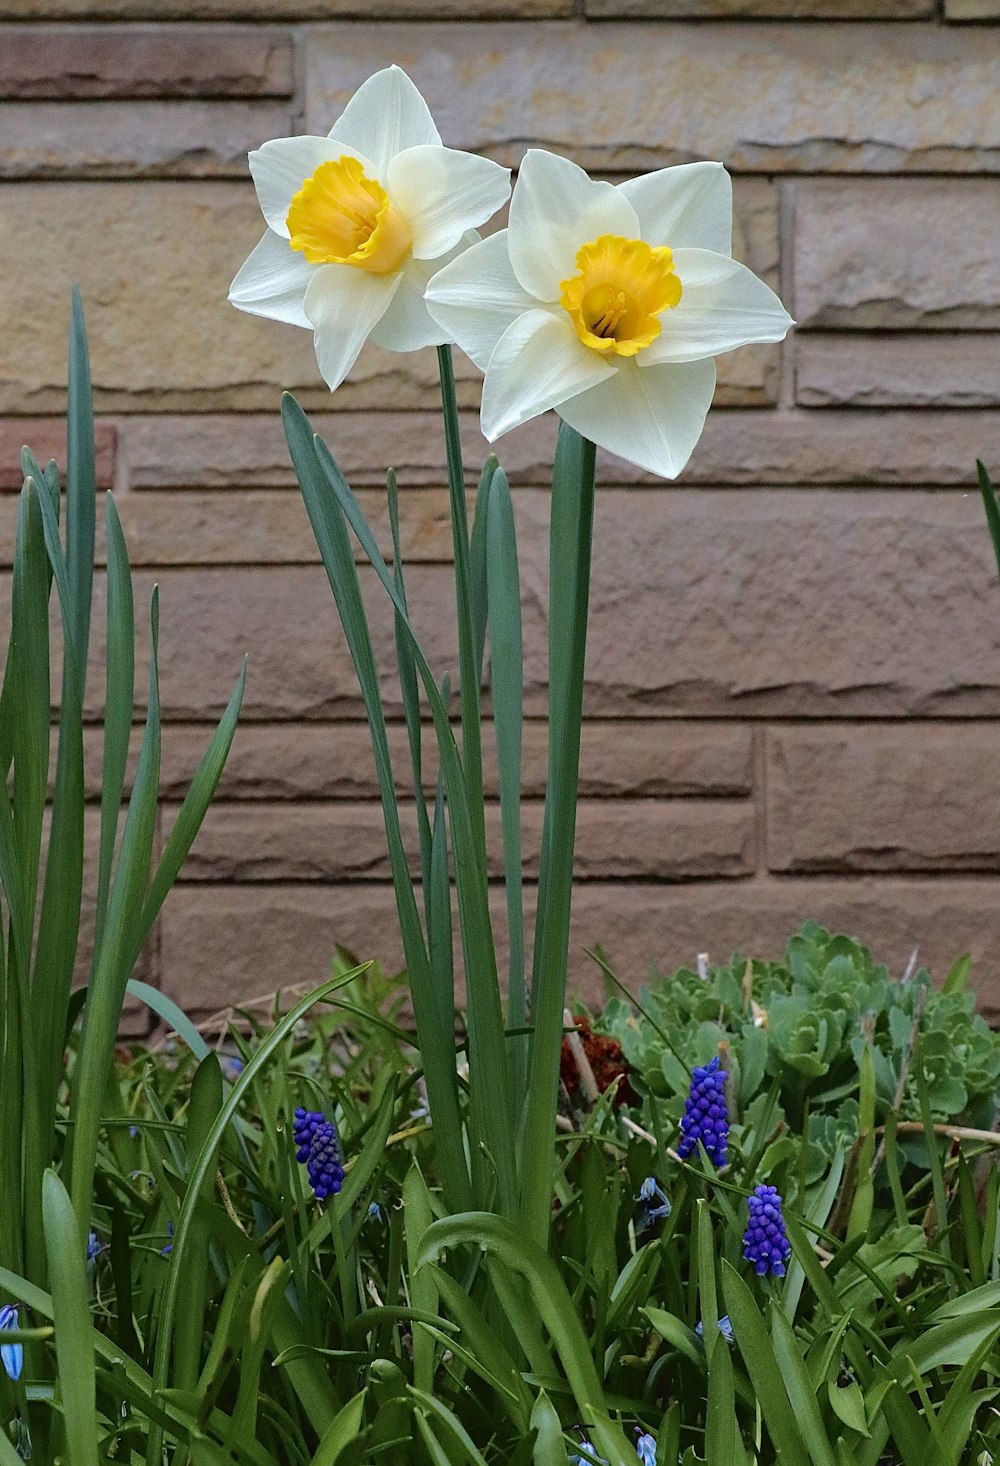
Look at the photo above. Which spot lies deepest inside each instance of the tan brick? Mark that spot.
(796, 447)
(900, 252)
(883, 798)
(46, 437)
(144, 61)
(765, 603)
(972, 9)
(134, 140)
(764, 98)
(228, 944)
(168, 528)
(911, 370)
(757, 9)
(150, 311)
(259, 10)
(618, 758)
(616, 839)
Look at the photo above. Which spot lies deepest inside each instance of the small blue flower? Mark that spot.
(375, 1212)
(586, 1460)
(94, 1247)
(166, 1251)
(654, 1204)
(725, 1328)
(765, 1243)
(11, 1355)
(318, 1147)
(133, 1131)
(235, 1067)
(705, 1117)
(645, 1448)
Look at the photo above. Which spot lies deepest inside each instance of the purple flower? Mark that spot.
(654, 1204)
(94, 1247)
(725, 1328)
(11, 1355)
(764, 1241)
(705, 1117)
(586, 1460)
(645, 1448)
(318, 1148)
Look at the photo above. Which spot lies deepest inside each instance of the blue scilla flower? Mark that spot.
(705, 1117)
(725, 1328)
(11, 1355)
(94, 1247)
(586, 1460)
(645, 1448)
(318, 1147)
(375, 1212)
(765, 1243)
(166, 1251)
(654, 1204)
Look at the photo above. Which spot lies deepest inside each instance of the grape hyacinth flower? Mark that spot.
(705, 1117)
(654, 1204)
(11, 1355)
(725, 1328)
(645, 1448)
(764, 1241)
(318, 1148)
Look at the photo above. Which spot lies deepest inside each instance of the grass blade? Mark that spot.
(74, 1332)
(81, 487)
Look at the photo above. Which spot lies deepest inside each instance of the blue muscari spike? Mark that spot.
(318, 1148)
(705, 1117)
(765, 1243)
(11, 1355)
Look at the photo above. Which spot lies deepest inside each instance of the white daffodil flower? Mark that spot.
(608, 304)
(358, 221)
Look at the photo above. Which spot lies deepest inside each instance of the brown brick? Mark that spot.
(49, 140)
(765, 98)
(796, 447)
(882, 798)
(757, 9)
(972, 9)
(618, 758)
(144, 61)
(900, 252)
(227, 944)
(46, 437)
(764, 603)
(259, 10)
(148, 332)
(616, 839)
(911, 370)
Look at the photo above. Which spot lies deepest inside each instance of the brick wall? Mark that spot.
(793, 696)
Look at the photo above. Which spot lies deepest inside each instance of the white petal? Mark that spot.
(408, 325)
(477, 297)
(280, 167)
(443, 193)
(344, 304)
(723, 305)
(650, 417)
(273, 282)
(538, 362)
(554, 210)
(385, 116)
(690, 206)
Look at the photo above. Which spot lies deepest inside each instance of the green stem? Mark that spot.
(570, 537)
(472, 758)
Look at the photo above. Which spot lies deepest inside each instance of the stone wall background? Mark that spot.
(793, 684)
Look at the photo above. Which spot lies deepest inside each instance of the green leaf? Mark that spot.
(992, 508)
(800, 1390)
(762, 1367)
(119, 695)
(174, 1017)
(550, 1447)
(344, 1429)
(81, 487)
(74, 1332)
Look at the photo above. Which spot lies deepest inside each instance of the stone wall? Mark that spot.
(793, 689)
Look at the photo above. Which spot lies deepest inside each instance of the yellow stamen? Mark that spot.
(622, 288)
(340, 216)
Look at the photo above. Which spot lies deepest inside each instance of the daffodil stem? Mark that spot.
(472, 758)
(570, 539)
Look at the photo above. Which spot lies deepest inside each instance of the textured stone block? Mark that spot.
(972, 9)
(906, 252)
(764, 98)
(217, 941)
(757, 9)
(260, 10)
(883, 798)
(150, 311)
(765, 603)
(616, 839)
(135, 139)
(795, 447)
(144, 61)
(46, 437)
(618, 758)
(912, 370)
